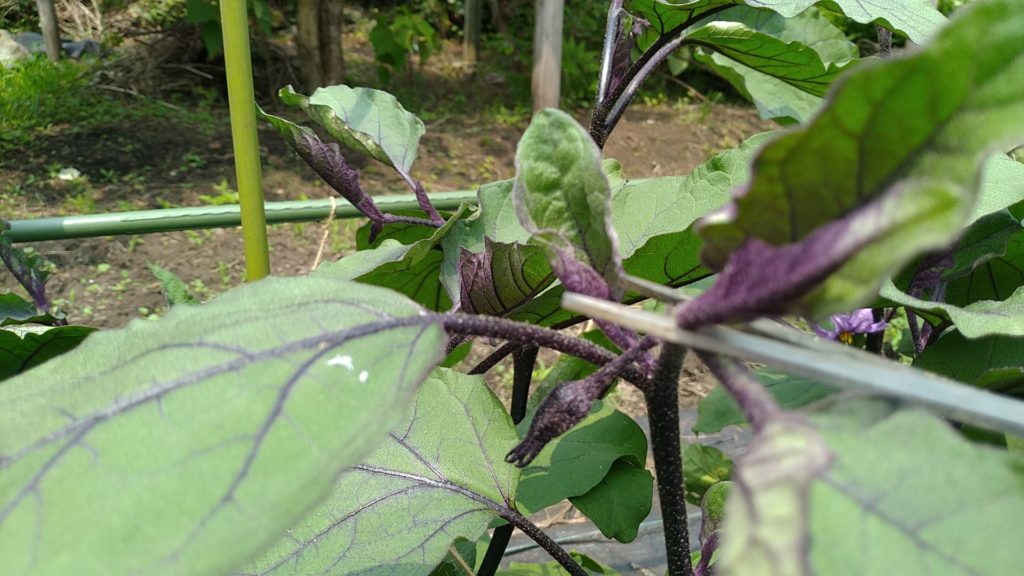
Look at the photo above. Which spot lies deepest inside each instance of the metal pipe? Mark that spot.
(176, 219)
(234, 21)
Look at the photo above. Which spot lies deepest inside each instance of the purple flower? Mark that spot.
(849, 325)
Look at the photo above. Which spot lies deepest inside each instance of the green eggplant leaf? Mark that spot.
(577, 461)
(369, 121)
(703, 467)
(187, 445)
(620, 502)
(976, 320)
(561, 189)
(871, 183)
(24, 347)
(440, 475)
(930, 503)
(718, 409)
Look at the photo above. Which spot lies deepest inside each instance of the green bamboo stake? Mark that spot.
(234, 20)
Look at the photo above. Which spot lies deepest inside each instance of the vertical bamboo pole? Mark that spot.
(547, 53)
(242, 103)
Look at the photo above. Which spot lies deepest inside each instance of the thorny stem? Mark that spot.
(754, 401)
(544, 541)
(523, 333)
(662, 399)
(523, 361)
(608, 111)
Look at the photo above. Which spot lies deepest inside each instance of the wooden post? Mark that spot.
(471, 34)
(48, 24)
(547, 53)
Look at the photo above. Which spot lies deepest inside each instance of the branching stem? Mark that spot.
(522, 333)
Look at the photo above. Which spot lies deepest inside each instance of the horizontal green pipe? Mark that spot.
(175, 219)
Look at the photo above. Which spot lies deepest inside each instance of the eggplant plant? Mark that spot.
(314, 425)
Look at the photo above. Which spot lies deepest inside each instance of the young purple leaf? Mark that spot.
(846, 326)
(502, 277)
(569, 403)
(327, 161)
(762, 279)
(26, 270)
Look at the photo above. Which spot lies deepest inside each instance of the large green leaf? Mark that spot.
(577, 461)
(774, 99)
(967, 360)
(620, 502)
(367, 120)
(916, 19)
(771, 89)
(653, 218)
(872, 142)
(929, 503)
(187, 445)
(560, 188)
(25, 347)
(439, 476)
(779, 47)
(983, 318)
(989, 260)
(718, 409)
(411, 269)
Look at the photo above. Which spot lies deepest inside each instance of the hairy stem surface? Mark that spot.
(662, 398)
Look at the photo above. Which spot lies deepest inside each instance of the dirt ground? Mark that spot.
(165, 162)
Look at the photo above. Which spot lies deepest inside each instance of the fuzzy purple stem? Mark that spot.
(662, 399)
(544, 541)
(424, 202)
(754, 401)
(522, 333)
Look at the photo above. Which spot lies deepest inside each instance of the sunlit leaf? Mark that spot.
(188, 444)
(367, 120)
(440, 475)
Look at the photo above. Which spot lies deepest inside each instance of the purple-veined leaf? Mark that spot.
(439, 476)
(367, 120)
(808, 224)
(188, 444)
(502, 277)
(327, 161)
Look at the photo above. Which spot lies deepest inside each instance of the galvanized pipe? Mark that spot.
(176, 219)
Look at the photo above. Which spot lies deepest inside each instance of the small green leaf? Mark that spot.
(561, 189)
(718, 410)
(984, 318)
(188, 445)
(411, 269)
(620, 502)
(440, 475)
(577, 461)
(703, 467)
(713, 506)
(369, 121)
(175, 289)
(25, 347)
(16, 310)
